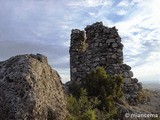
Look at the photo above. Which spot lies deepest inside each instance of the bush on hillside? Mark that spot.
(95, 97)
(106, 87)
(81, 108)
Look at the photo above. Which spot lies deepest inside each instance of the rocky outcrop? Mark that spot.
(30, 90)
(100, 46)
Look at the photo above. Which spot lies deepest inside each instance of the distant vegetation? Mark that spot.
(94, 98)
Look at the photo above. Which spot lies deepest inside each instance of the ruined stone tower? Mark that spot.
(97, 46)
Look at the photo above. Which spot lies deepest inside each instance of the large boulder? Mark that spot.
(30, 90)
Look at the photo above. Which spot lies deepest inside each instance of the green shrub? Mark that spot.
(70, 117)
(81, 108)
(95, 97)
(89, 115)
(106, 87)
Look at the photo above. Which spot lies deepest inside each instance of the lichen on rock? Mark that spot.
(30, 89)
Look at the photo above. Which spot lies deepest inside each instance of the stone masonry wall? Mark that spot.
(97, 46)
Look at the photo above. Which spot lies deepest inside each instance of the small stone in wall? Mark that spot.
(130, 73)
(74, 70)
(114, 56)
(112, 61)
(136, 87)
(127, 80)
(114, 45)
(110, 41)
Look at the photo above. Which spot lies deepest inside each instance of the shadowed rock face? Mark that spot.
(30, 90)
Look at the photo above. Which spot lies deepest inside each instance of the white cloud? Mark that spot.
(153, 56)
(92, 14)
(146, 70)
(90, 3)
(49, 23)
(123, 3)
(34, 26)
(122, 12)
(140, 33)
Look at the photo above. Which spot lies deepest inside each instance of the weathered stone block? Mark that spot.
(112, 61)
(74, 70)
(114, 56)
(134, 80)
(126, 67)
(110, 40)
(119, 50)
(114, 45)
(140, 85)
(125, 74)
(130, 74)
(136, 86)
(127, 80)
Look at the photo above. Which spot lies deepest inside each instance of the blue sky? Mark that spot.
(44, 26)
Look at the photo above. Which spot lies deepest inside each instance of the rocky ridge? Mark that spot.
(30, 89)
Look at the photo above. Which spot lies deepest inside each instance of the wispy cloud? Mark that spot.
(124, 3)
(90, 3)
(122, 12)
(140, 34)
(44, 26)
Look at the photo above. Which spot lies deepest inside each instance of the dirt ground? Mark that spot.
(153, 105)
